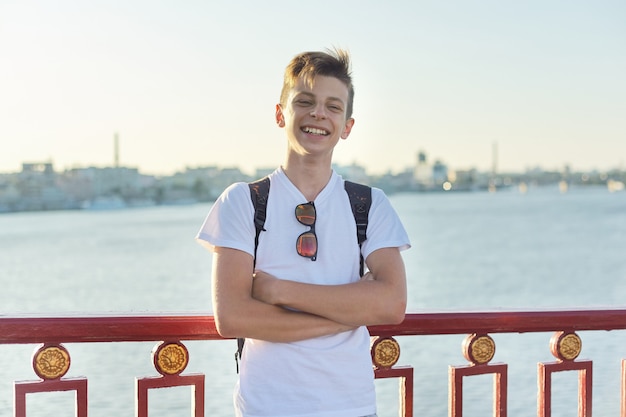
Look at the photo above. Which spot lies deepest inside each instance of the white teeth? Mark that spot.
(315, 131)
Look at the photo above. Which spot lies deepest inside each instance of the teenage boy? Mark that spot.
(304, 308)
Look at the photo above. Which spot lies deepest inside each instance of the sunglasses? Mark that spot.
(306, 245)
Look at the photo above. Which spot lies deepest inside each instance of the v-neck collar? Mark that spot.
(321, 197)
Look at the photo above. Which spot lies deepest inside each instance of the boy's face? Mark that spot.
(314, 116)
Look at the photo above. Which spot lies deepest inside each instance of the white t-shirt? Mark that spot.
(328, 376)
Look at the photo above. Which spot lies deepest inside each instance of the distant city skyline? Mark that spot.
(250, 170)
(195, 84)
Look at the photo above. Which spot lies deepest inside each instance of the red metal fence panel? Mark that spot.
(51, 360)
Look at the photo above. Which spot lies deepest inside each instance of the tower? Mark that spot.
(494, 159)
(116, 150)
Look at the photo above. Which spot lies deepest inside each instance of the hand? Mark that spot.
(263, 287)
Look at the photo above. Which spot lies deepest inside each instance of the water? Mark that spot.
(471, 251)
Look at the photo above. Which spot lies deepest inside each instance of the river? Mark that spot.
(507, 250)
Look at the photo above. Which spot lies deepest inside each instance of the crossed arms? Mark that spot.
(275, 310)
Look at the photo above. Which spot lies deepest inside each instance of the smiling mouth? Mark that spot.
(315, 131)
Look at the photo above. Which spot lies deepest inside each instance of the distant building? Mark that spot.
(39, 189)
(423, 171)
(440, 173)
(95, 181)
(429, 176)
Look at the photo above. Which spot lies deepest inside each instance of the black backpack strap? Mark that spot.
(360, 201)
(259, 192)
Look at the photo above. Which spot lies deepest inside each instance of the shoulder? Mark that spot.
(234, 200)
(364, 191)
(230, 220)
(234, 193)
(381, 202)
(357, 190)
(379, 195)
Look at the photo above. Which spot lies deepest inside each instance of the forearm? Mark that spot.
(258, 320)
(238, 314)
(378, 299)
(357, 304)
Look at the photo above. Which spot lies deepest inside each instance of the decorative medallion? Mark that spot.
(385, 352)
(479, 349)
(565, 346)
(170, 358)
(51, 362)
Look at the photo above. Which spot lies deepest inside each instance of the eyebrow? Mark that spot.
(308, 94)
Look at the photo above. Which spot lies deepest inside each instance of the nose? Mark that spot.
(318, 112)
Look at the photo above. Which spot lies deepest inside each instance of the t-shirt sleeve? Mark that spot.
(384, 229)
(230, 222)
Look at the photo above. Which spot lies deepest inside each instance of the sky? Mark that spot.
(195, 83)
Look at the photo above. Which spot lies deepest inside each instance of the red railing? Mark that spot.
(51, 360)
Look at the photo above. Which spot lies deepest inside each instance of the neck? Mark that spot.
(310, 179)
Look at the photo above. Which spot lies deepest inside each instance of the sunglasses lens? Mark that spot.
(306, 245)
(305, 213)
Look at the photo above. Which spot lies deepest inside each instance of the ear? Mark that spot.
(280, 119)
(347, 128)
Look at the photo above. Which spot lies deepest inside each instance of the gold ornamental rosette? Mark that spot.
(479, 349)
(385, 352)
(170, 358)
(51, 361)
(566, 346)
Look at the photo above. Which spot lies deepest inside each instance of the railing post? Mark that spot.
(479, 350)
(50, 363)
(170, 359)
(385, 353)
(565, 346)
